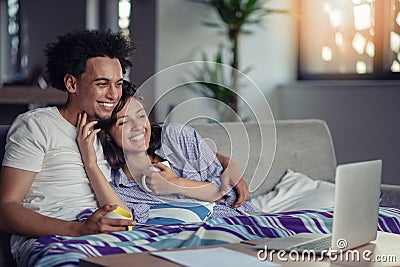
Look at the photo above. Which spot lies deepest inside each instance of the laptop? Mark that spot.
(355, 217)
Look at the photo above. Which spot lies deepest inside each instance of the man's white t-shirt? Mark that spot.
(42, 141)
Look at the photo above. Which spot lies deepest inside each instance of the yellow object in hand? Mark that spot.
(120, 213)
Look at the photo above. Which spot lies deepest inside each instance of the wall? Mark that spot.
(181, 37)
(363, 117)
(5, 44)
(46, 19)
(143, 33)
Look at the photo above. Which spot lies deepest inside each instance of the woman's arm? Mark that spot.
(101, 187)
(166, 182)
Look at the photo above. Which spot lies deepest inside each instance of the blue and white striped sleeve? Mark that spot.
(189, 154)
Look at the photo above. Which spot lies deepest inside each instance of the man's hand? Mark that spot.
(232, 175)
(98, 223)
(243, 192)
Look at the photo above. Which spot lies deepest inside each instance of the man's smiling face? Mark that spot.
(100, 87)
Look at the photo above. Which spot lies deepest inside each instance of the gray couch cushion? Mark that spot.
(302, 145)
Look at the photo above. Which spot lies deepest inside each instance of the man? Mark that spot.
(43, 184)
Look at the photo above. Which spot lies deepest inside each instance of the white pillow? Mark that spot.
(296, 191)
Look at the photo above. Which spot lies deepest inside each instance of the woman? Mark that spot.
(195, 173)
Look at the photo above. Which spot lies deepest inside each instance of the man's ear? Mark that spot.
(70, 83)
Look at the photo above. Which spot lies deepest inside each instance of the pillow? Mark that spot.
(296, 191)
(180, 212)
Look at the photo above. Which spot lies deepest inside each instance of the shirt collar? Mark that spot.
(120, 178)
(162, 153)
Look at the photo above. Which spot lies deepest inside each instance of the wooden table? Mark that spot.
(385, 248)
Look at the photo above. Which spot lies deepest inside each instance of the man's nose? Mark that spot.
(112, 92)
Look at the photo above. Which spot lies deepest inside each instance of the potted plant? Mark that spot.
(234, 18)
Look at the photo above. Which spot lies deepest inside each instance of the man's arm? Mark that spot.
(15, 218)
(232, 175)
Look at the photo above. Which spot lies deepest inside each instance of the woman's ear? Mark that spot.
(70, 83)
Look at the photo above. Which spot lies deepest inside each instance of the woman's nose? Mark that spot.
(136, 126)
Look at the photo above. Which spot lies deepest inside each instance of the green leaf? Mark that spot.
(247, 32)
(211, 24)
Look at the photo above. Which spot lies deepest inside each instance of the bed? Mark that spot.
(66, 251)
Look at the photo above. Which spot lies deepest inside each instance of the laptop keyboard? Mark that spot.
(316, 245)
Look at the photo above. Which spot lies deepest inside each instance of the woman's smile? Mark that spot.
(137, 138)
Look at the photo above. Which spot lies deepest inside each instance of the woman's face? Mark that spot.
(132, 129)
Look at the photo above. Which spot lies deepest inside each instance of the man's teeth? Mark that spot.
(136, 138)
(109, 105)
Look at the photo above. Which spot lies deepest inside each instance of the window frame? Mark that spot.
(380, 72)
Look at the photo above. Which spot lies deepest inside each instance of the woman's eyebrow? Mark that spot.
(122, 116)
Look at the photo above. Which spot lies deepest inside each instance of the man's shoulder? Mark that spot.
(38, 114)
(177, 129)
(178, 135)
(47, 111)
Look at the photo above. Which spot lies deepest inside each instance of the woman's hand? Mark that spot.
(166, 182)
(85, 139)
(163, 182)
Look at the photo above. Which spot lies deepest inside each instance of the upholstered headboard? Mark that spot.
(3, 134)
(5, 255)
(302, 145)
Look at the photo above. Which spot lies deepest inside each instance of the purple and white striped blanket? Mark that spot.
(66, 251)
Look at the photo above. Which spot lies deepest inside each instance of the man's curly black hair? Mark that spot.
(71, 51)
